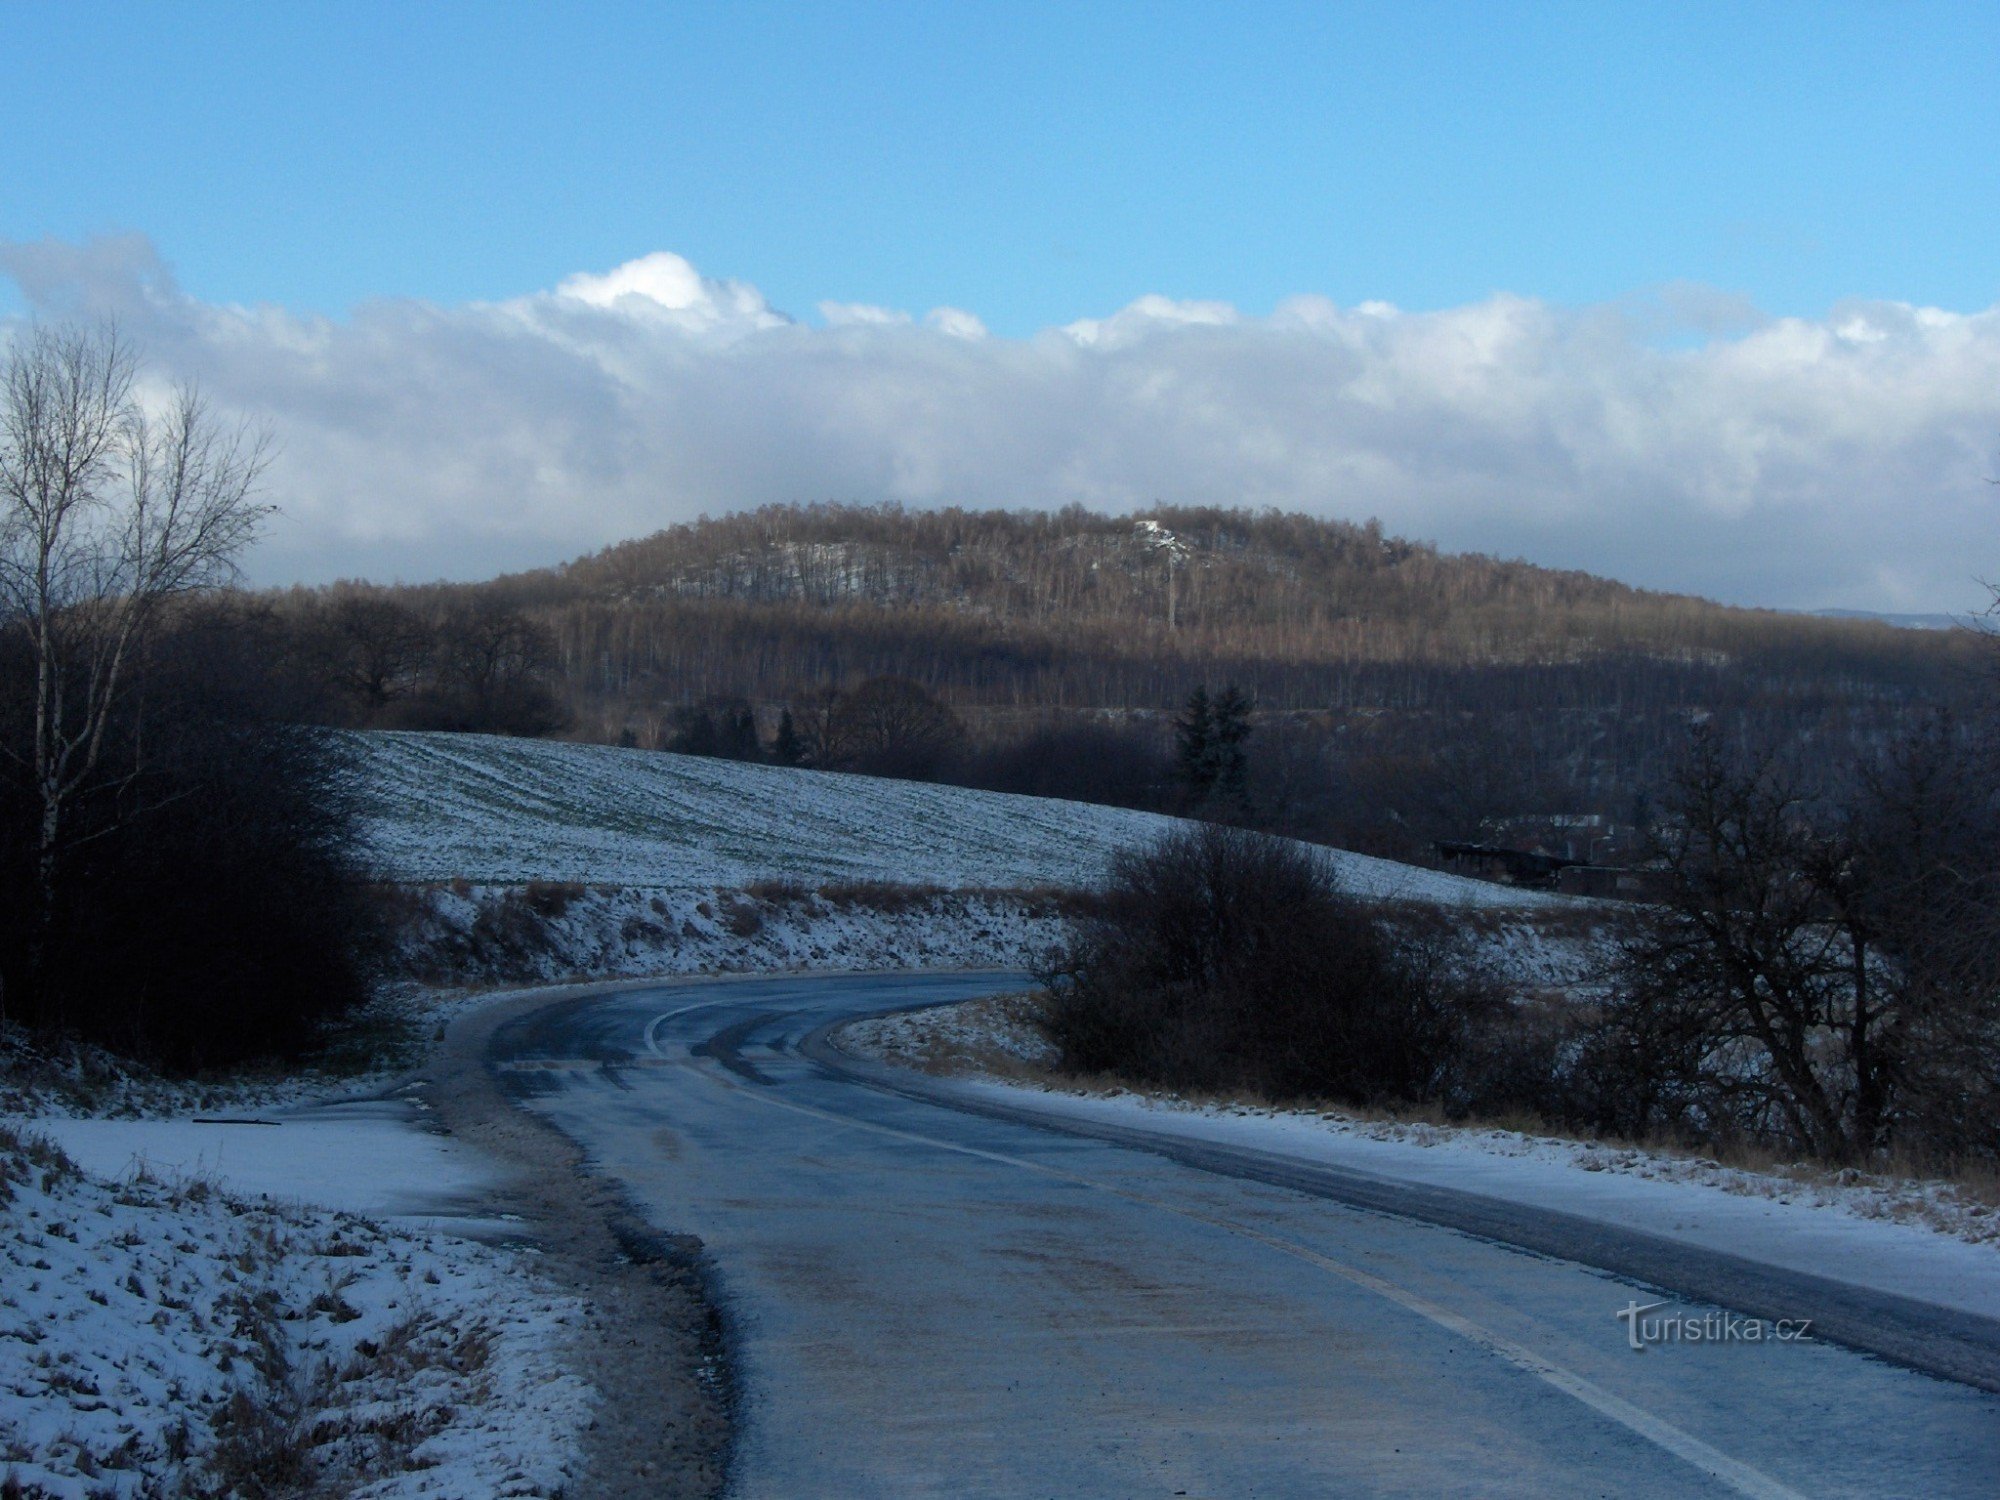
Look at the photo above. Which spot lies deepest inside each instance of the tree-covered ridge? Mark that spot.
(1196, 583)
(1401, 694)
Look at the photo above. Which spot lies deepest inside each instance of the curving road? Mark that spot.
(931, 1299)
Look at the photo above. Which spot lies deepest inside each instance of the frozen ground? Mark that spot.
(463, 934)
(163, 1335)
(362, 1157)
(497, 811)
(1921, 1240)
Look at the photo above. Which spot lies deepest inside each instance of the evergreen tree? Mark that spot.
(1194, 746)
(693, 732)
(786, 747)
(1229, 728)
(736, 730)
(1209, 758)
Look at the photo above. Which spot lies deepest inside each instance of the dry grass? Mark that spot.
(321, 1431)
(878, 895)
(780, 893)
(741, 916)
(997, 1036)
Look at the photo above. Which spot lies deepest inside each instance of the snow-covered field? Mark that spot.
(1926, 1240)
(161, 1335)
(497, 811)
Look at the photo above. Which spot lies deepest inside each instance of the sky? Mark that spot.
(1700, 296)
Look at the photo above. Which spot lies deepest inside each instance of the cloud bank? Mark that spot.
(1681, 441)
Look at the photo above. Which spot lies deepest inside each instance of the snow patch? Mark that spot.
(161, 1337)
(462, 934)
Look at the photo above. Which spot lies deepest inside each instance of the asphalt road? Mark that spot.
(926, 1299)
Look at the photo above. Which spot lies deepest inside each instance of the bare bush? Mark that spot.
(884, 896)
(1823, 973)
(1223, 959)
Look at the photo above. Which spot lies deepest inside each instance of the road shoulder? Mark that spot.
(1906, 1292)
(657, 1356)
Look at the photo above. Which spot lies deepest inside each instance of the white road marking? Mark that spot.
(653, 1026)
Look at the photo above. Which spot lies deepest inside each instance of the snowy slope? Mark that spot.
(514, 934)
(165, 1338)
(499, 811)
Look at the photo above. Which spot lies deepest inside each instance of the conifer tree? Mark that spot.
(1229, 728)
(786, 747)
(1194, 746)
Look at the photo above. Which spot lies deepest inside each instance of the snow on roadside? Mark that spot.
(377, 1044)
(162, 1337)
(993, 1036)
(363, 1156)
(461, 933)
(1920, 1239)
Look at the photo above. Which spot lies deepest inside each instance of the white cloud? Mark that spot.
(849, 314)
(663, 286)
(957, 322)
(1689, 442)
(1148, 315)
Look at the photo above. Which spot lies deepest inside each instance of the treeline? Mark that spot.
(621, 657)
(1818, 974)
(455, 658)
(1401, 695)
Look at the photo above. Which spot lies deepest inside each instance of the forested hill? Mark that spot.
(1075, 608)
(1401, 694)
(1207, 574)
(1214, 578)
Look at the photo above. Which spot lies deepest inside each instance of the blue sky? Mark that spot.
(1706, 297)
(1034, 163)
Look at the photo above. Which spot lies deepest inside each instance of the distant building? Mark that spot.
(1577, 838)
(1495, 862)
(1612, 882)
(1541, 869)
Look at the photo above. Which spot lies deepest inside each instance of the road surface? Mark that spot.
(931, 1300)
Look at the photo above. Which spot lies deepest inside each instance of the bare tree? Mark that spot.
(889, 726)
(108, 514)
(494, 661)
(378, 648)
(1824, 971)
(1744, 954)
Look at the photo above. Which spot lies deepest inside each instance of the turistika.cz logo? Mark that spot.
(1714, 1327)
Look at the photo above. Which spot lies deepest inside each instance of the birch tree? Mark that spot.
(109, 513)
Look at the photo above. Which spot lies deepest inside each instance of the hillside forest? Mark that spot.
(1394, 695)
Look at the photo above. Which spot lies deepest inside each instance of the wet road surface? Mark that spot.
(931, 1300)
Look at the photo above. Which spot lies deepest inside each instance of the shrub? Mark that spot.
(1220, 958)
(886, 897)
(742, 917)
(550, 898)
(207, 904)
